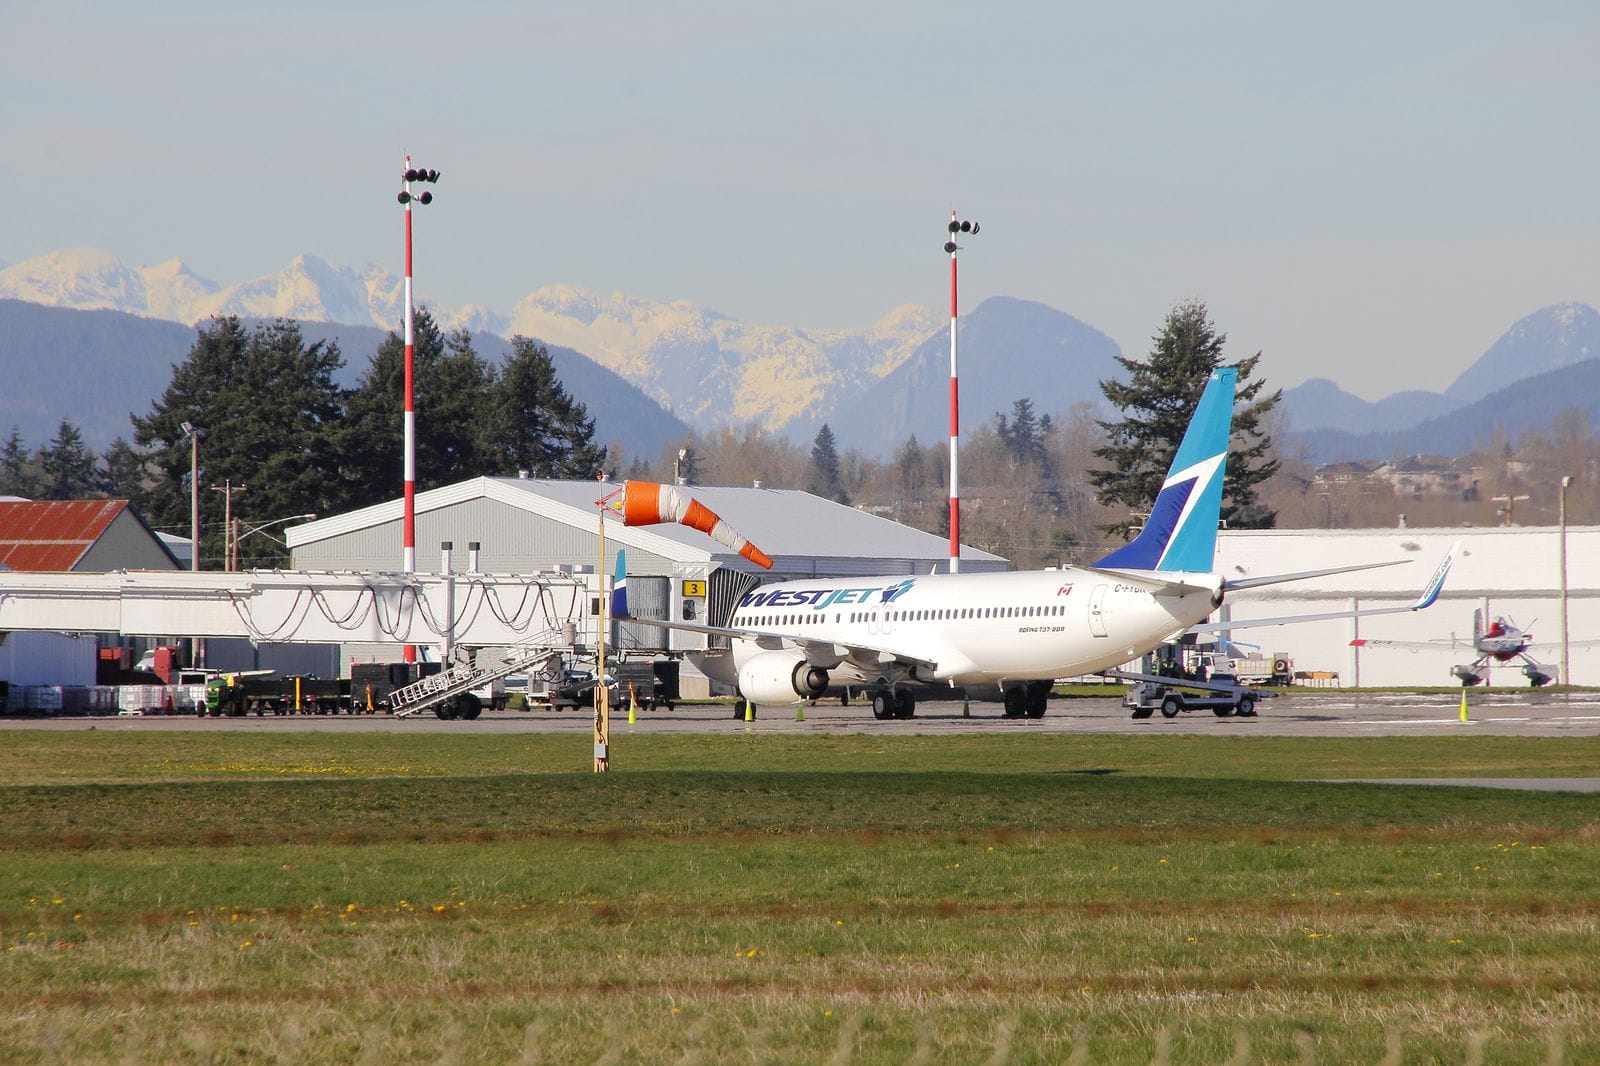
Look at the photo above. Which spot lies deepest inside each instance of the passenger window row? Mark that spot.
(943, 615)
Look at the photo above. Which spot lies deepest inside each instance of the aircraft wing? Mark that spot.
(1553, 645)
(1440, 644)
(824, 653)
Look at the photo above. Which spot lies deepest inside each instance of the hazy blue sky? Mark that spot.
(1371, 192)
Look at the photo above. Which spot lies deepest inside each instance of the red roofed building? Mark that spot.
(69, 536)
(78, 536)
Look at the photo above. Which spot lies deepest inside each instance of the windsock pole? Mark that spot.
(602, 696)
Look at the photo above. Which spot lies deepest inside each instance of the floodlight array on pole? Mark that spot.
(409, 524)
(957, 225)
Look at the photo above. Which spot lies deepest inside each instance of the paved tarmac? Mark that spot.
(1327, 714)
(1508, 713)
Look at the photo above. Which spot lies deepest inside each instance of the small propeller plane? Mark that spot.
(1501, 642)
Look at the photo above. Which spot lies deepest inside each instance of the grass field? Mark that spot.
(284, 897)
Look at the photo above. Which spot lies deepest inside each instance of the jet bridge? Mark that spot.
(318, 607)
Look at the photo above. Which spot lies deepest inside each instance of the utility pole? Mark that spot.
(230, 541)
(1566, 644)
(194, 494)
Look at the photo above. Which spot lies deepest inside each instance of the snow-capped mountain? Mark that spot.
(88, 279)
(712, 369)
(705, 366)
(1550, 338)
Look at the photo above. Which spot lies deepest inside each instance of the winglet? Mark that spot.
(619, 588)
(1181, 532)
(1436, 583)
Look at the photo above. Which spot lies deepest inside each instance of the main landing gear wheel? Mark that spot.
(905, 704)
(882, 706)
(1038, 692)
(1015, 703)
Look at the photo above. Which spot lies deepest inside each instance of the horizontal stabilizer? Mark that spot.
(1425, 599)
(1306, 575)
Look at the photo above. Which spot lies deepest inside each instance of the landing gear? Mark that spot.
(882, 706)
(1038, 694)
(893, 703)
(1027, 700)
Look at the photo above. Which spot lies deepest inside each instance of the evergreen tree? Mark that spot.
(911, 464)
(19, 474)
(71, 471)
(1024, 435)
(267, 408)
(536, 426)
(825, 477)
(1157, 402)
(454, 398)
(124, 473)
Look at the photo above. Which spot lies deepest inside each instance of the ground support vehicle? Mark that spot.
(651, 683)
(234, 697)
(1222, 696)
(452, 692)
(1275, 669)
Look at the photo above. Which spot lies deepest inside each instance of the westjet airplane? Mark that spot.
(1006, 635)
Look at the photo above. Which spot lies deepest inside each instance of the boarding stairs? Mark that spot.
(464, 676)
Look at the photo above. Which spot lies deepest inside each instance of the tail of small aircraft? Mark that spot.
(1181, 532)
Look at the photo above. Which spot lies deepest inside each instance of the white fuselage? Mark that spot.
(980, 628)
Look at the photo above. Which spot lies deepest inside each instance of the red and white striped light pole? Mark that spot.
(408, 529)
(956, 226)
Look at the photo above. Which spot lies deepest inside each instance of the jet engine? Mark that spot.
(781, 677)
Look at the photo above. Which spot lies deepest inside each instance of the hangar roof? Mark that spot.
(784, 523)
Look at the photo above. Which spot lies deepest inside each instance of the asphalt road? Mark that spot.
(1328, 714)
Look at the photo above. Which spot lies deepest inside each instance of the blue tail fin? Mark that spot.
(619, 588)
(1181, 533)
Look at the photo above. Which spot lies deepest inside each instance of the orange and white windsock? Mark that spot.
(646, 503)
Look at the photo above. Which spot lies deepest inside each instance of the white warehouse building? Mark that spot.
(1513, 571)
(529, 526)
